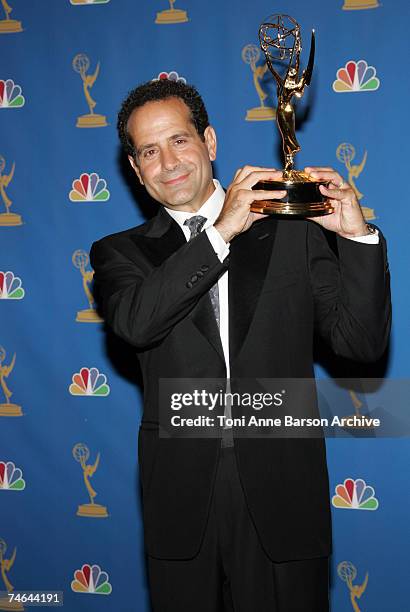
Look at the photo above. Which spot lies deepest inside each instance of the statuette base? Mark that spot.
(171, 16)
(10, 410)
(5, 604)
(303, 198)
(10, 26)
(88, 315)
(91, 121)
(10, 219)
(92, 510)
(261, 113)
(358, 5)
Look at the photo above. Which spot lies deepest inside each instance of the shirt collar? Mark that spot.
(209, 209)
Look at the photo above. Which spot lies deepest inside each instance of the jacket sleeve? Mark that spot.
(351, 294)
(142, 303)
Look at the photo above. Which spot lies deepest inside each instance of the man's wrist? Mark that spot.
(225, 233)
(364, 230)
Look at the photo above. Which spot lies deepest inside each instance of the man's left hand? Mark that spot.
(347, 218)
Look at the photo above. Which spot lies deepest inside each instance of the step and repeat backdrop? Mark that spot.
(70, 402)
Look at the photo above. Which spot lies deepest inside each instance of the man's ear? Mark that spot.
(210, 141)
(136, 169)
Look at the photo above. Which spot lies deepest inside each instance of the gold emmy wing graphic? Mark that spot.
(81, 454)
(81, 64)
(357, 404)
(9, 26)
(7, 218)
(81, 260)
(5, 567)
(251, 55)
(346, 153)
(8, 409)
(171, 15)
(359, 5)
(347, 572)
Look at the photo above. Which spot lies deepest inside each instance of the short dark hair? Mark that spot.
(153, 91)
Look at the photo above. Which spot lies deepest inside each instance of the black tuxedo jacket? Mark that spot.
(284, 282)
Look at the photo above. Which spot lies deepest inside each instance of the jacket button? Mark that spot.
(199, 273)
(194, 278)
(189, 285)
(204, 268)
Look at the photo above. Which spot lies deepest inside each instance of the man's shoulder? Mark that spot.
(126, 235)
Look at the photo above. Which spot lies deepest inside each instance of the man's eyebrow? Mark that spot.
(154, 144)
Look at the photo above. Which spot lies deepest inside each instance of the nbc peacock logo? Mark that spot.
(10, 286)
(89, 188)
(10, 95)
(88, 382)
(171, 76)
(11, 477)
(355, 495)
(356, 77)
(91, 579)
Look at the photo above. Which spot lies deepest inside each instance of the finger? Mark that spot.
(267, 195)
(320, 168)
(333, 177)
(242, 173)
(256, 216)
(333, 192)
(260, 175)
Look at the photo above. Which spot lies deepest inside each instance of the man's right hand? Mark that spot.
(236, 216)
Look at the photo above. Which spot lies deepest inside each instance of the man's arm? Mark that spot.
(351, 294)
(143, 304)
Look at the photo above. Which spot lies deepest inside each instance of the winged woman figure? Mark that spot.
(4, 182)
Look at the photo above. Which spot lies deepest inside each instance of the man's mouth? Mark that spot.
(177, 180)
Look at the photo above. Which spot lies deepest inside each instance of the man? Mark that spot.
(234, 523)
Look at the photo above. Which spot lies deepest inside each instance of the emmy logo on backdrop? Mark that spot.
(357, 5)
(346, 153)
(5, 567)
(81, 454)
(171, 15)
(347, 572)
(7, 218)
(7, 409)
(357, 404)
(251, 55)
(9, 26)
(81, 64)
(80, 261)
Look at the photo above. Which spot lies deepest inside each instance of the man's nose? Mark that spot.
(169, 159)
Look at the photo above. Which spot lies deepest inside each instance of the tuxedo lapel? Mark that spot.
(161, 240)
(204, 318)
(250, 254)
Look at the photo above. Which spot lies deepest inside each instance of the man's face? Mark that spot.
(172, 161)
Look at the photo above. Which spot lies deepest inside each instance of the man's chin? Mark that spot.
(181, 198)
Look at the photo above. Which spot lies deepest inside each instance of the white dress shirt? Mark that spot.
(210, 210)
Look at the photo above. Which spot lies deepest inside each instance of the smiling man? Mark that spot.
(208, 289)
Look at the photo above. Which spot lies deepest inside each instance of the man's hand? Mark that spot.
(235, 216)
(347, 218)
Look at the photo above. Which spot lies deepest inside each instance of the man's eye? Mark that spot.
(180, 141)
(149, 153)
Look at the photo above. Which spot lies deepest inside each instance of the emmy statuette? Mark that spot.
(280, 40)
